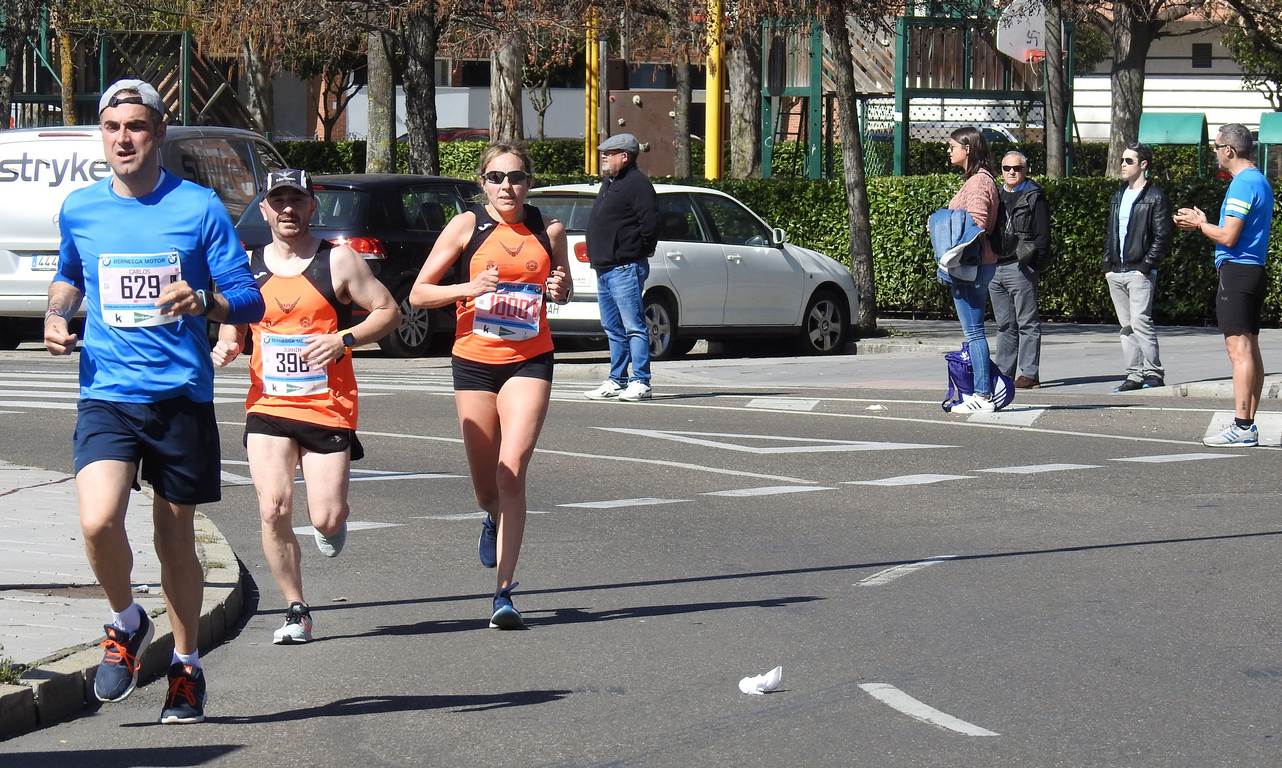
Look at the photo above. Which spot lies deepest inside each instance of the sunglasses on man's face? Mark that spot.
(1128, 161)
(497, 177)
(1012, 168)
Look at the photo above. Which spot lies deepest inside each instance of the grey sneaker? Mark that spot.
(607, 391)
(297, 628)
(1235, 435)
(330, 546)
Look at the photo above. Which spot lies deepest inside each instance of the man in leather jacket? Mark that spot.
(1023, 251)
(1139, 237)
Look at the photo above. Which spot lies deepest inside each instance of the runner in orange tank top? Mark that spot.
(302, 394)
(502, 359)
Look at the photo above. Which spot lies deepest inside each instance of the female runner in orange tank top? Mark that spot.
(502, 357)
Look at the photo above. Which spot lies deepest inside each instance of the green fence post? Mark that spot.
(767, 119)
(186, 78)
(900, 117)
(814, 164)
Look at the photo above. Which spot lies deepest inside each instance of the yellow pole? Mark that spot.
(712, 114)
(591, 99)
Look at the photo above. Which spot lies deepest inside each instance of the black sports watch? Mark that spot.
(349, 340)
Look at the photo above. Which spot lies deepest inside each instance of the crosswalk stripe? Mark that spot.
(782, 403)
(769, 490)
(924, 479)
(1033, 469)
(615, 503)
(1023, 417)
(1169, 457)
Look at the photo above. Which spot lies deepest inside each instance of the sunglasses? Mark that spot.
(1128, 161)
(1221, 146)
(497, 177)
(1010, 168)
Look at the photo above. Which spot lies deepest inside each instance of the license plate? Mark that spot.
(45, 262)
(552, 308)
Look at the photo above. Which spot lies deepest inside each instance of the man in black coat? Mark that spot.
(622, 232)
(1139, 237)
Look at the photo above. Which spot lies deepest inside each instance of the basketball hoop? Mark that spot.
(1034, 58)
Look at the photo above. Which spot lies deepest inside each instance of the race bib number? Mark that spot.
(511, 312)
(130, 283)
(285, 371)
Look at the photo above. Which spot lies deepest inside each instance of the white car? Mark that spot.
(718, 271)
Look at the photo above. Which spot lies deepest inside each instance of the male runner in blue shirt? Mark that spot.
(144, 249)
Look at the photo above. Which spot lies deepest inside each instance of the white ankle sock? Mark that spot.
(192, 659)
(129, 619)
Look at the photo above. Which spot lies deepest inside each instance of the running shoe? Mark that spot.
(297, 628)
(1130, 385)
(635, 392)
(330, 546)
(117, 675)
(185, 702)
(505, 615)
(973, 404)
(487, 547)
(1235, 435)
(607, 391)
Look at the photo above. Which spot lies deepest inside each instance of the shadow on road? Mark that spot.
(380, 705)
(142, 757)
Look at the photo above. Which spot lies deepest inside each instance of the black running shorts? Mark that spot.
(1239, 300)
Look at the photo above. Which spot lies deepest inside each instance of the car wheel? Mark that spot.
(10, 334)
(413, 337)
(661, 322)
(825, 325)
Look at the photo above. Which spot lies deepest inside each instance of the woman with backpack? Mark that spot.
(968, 150)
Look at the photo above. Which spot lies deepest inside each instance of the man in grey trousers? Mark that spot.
(1023, 251)
(1139, 236)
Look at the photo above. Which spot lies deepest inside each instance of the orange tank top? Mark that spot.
(280, 382)
(508, 325)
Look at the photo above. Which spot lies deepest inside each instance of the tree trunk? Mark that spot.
(380, 145)
(745, 103)
(17, 23)
(852, 161)
(67, 74)
(1056, 94)
(1132, 37)
(541, 100)
(260, 91)
(681, 113)
(505, 88)
(421, 36)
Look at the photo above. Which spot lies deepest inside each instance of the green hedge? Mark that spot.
(814, 215)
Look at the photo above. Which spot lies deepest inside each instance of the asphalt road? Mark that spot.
(1080, 586)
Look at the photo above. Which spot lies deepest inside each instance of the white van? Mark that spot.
(39, 167)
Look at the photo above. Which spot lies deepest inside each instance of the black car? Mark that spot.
(393, 220)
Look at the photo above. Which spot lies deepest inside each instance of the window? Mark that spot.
(429, 208)
(571, 210)
(1202, 55)
(733, 223)
(222, 165)
(267, 160)
(677, 221)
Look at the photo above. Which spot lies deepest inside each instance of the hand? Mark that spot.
(224, 352)
(1189, 218)
(179, 299)
(558, 287)
(326, 348)
(1144, 267)
(486, 282)
(58, 340)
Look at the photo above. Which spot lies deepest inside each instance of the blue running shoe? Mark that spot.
(117, 674)
(185, 702)
(1235, 435)
(505, 615)
(487, 547)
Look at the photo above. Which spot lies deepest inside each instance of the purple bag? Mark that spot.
(961, 380)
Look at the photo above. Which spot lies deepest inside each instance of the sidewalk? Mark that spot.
(52, 610)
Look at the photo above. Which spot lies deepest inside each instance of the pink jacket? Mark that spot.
(978, 197)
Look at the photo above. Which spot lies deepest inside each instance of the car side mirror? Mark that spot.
(778, 236)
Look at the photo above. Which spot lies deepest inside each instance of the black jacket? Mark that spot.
(624, 222)
(1148, 234)
(1024, 226)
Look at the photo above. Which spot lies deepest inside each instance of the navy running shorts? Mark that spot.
(174, 442)
(1240, 298)
(315, 438)
(487, 377)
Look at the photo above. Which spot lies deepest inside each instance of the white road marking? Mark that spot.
(232, 478)
(910, 480)
(782, 403)
(1033, 469)
(357, 475)
(1269, 424)
(1023, 417)
(615, 503)
(352, 525)
(1162, 459)
(473, 515)
(896, 699)
(890, 574)
(51, 406)
(809, 444)
(769, 490)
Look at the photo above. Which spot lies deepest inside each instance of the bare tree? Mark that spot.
(380, 145)
(18, 19)
(506, 64)
(744, 68)
(1056, 100)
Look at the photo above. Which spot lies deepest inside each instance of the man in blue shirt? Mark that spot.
(144, 250)
(1241, 244)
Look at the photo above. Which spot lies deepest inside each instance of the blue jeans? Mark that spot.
(618, 293)
(971, 299)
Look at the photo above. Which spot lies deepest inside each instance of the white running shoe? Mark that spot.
(607, 391)
(330, 546)
(973, 404)
(635, 392)
(1235, 435)
(297, 628)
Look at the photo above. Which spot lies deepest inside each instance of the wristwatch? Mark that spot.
(349, 341)
(205, 304)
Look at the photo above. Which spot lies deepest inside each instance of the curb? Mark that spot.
(60, 687)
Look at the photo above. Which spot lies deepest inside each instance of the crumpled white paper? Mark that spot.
(763, 683)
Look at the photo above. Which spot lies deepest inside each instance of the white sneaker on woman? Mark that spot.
(973, 404)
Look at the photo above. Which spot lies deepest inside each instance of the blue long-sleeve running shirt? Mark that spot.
(120, 252)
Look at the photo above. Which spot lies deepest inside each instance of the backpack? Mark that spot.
(961, 380)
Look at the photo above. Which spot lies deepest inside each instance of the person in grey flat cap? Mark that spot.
(622, 232)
